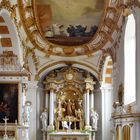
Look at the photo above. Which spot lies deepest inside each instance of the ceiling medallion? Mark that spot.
(62, 30)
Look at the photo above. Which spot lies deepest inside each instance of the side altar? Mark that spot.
(69, 112)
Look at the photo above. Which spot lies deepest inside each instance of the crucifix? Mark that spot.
(5, 137)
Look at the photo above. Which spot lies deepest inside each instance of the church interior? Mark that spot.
(69, 70)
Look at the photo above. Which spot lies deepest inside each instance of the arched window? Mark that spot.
(130, 61)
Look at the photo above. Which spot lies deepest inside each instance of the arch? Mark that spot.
(107, 70)
(9, 38)
(59, 64)
(126, 133)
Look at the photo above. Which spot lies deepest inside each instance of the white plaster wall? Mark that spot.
(31, 96)
(137, 11)
(40, 104)
(118, 76)
(120, 65)
(98, 108)
(108, 99)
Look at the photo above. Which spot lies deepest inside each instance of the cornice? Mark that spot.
(126, 116)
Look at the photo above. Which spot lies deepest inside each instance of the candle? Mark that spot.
(15, 122)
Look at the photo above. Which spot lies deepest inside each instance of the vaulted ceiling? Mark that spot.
(41, 55)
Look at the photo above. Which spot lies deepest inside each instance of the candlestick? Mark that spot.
(15, 122)
(5, 137)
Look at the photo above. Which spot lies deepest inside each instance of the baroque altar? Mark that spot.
(69, 105)
(14, 107)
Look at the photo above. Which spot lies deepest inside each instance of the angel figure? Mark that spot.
(79, 114)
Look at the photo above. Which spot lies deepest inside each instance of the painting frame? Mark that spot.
(9, 94)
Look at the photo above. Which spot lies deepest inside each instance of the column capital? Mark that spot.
(89, 83)
(52, 90)
(92, 92)
(52, 86)
(33, 84)
(46, 91)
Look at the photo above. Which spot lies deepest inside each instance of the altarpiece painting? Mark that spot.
(9, 102)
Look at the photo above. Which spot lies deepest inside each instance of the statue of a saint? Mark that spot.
(26, 113)
(60, 110)
(60, 113)
(80, 103)
(79, 114)
(44, 119)
(94, 118)
(73, 107)
(69, 108)
(59, 103)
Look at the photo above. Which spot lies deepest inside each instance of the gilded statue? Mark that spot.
(69, 108)
(60, 113)
(60, 110)
(73, 107)
(80, 103)
(79, 114)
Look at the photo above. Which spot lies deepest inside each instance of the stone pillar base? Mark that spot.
(88, 127)
(50, 127)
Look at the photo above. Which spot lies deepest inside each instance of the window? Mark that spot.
(129, 61)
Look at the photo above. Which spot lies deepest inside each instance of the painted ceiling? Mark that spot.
(85, 12)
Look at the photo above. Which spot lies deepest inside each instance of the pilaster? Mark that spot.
(31, 96)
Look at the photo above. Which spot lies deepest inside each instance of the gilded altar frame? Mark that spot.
(64, 95)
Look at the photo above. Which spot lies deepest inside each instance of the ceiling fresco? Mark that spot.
(69, 22)
(63, 34)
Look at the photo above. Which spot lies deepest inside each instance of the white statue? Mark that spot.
(94, 118)
(66, 126)
(26, 113)
(44, 119)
